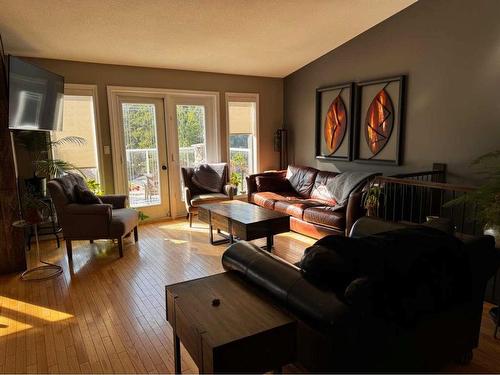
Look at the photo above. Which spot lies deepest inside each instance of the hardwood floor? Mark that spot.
(107, 314)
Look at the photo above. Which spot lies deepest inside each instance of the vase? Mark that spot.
(493, 230)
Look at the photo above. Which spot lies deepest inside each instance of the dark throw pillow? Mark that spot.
(330, 264)
(85, 196)
(272, 183)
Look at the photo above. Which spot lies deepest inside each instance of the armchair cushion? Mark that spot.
(123, 221)
(208, 198)
(85, 196)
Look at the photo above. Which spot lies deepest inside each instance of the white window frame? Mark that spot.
(77, 89)
(248, 98)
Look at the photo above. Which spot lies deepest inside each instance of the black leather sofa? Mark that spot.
(334, 335)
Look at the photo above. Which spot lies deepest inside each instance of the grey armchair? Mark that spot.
(109, 220)
(194, 196)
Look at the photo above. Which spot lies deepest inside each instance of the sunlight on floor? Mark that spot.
(176, 242)
(10, 326)
(35, 311)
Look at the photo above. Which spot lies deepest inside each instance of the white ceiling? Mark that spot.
(255, 37)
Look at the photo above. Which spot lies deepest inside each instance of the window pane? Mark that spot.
(78, 120)
(242, 122)
(139, 123)
(191, 135)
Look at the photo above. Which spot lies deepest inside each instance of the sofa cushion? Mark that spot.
(322, 188)
(273, 183)
(295, 207)
(268, 199)
(200, 199)
(123, 221)
(301, 179)
(325, 215)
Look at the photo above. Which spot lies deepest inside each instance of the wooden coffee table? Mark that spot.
(244, 221)
(227, 325)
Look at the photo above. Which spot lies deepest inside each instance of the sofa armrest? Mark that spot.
(252, 184)
(354, 210)
(117, 201)
(89, 209)
(285, 283)
(230, 190)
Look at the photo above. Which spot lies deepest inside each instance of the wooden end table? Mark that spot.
(243, 220)
(227, 325)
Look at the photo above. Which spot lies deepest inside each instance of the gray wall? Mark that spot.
(270, 97)
(450, 51)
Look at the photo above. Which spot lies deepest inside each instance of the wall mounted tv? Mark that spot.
(35, 97)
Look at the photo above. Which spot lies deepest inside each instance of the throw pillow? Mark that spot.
(272, 183)
(85, 196)
(329, 264)
(209, 177)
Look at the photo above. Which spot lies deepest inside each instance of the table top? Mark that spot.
(243, 310)
(243, 212)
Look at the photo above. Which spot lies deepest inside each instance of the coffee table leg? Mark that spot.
(269, 243)
(177, 354)
(211, 234)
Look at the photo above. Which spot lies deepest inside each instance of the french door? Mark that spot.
(143, 158)
(154, 133)
(193, 139)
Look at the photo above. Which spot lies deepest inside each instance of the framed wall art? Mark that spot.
(334, 119)
(379, 123)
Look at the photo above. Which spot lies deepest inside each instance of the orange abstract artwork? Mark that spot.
(379, 122)
(335, 124)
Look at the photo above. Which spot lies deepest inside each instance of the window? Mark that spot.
(242, 116)
(79, 119)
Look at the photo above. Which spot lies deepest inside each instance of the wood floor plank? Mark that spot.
(106, 314)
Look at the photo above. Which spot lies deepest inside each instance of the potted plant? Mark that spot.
(238, 164)
(372, 199)
(39, 148)
(487, 196)
(33, 208)
(235, 180)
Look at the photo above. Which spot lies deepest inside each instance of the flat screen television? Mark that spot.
(35, 97)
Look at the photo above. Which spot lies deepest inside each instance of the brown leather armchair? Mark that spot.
(194, 196)
(109, 220)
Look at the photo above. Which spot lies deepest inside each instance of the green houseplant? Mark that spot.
(235, 180)
(239, 166)
(487, 196)
(40, 147)
(372, 199)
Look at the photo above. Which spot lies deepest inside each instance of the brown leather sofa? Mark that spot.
(305, 194)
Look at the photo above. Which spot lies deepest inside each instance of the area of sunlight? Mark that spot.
(36, 311)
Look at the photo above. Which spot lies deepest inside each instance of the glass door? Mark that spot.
(145, 166)
(195, 140)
